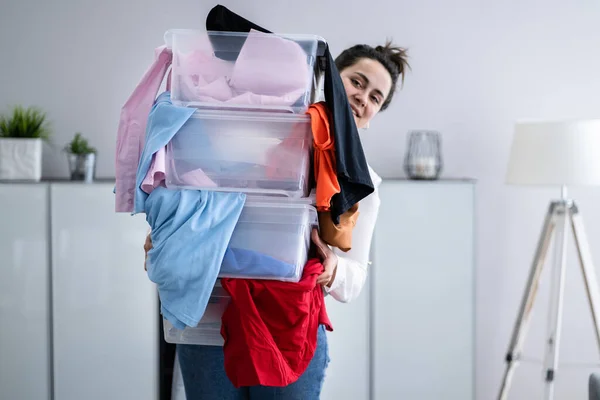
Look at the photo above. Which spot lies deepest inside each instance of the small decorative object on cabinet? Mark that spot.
(82, 159)
(423, 158)
(21, 135)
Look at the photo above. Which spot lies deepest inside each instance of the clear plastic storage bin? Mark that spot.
(208, 330)
(270, 241)
(251, 152)
(252, 70)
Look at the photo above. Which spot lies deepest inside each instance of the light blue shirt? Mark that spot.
(190, 234)
(190, 229)
(164, 121)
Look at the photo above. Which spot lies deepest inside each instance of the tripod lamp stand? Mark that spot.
(559, 154)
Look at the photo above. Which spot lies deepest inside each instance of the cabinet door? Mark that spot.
(24, 292)
(423, 292)
(105, 307)
(347, 376)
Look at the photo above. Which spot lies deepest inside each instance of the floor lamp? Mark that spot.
(559, 154)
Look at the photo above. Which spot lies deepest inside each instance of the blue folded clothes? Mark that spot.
(242, 263)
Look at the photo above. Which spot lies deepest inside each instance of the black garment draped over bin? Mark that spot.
(351, 165)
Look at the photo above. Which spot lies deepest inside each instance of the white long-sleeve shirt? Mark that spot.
(352, 266)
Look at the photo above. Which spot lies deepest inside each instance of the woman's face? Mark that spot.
(367, 85)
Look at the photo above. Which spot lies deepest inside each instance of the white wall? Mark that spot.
(477, 67)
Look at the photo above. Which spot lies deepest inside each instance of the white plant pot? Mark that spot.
(20, 159)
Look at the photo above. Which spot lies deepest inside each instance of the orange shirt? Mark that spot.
(327, 183)
(324, 156)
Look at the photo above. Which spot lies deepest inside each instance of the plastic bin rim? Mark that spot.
(266, 116)
(168, 36)
(312, 210)
(309, 200)
(252, 202)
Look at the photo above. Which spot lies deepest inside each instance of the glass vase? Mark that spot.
(423, 159)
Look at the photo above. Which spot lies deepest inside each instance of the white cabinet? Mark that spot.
(105, 309)
(24, 292)
(79, 315)
(423, 292)
(410, 334)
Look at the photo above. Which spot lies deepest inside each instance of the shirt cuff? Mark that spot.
(340, 275)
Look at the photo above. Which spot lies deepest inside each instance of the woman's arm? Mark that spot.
(351, 272)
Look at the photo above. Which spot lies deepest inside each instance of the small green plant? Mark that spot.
(79, 145)
(29, 123)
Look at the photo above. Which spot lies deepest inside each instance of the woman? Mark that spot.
(370, 76)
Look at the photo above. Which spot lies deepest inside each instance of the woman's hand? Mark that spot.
(328, 259)
(147, 247)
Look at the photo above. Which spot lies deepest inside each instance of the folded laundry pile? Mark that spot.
(267, 70)
(233, 165)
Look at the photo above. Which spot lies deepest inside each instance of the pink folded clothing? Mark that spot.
(269, 70)
(156, 175)
(270, 65)
(194, 179)
(286, 159)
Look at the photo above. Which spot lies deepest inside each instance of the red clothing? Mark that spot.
(270, 328)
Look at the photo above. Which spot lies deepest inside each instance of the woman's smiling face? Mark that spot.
(367, 85)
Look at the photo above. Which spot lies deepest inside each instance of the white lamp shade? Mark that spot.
(555, 153)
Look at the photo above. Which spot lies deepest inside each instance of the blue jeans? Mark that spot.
(204, 376)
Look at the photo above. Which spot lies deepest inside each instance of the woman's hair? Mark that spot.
(393, 59)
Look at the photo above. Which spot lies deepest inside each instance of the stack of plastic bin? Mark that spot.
(251, 134)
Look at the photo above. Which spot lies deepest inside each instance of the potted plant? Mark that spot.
(82, 159)
(21, 134)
